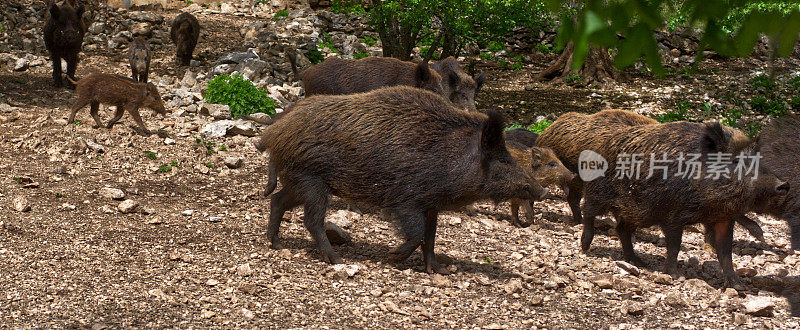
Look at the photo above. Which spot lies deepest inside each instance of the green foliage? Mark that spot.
(360, 55)
(795, 103)
(795, 83)
(164, 168)
(763, 81)
(752, 129)
(369, 41)
(60, 195)
(682, 113)
(542, 48)
(731, 117)
(572, 78)
(207, 145)
(315, 56)
(347, 7)
(150, 154)
(76, 123)
(486, 56)
(327, 43)
(536, 127)
(223, 148)
(281, 13)
(239, 94)
(496, 46)
(174, 163)
(773, 108)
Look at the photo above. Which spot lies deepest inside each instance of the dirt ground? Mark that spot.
(193, 255)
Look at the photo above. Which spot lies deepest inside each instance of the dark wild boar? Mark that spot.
(522, 136)
(139, 57)
(122, 92)
(674, 202)
(336, 76)
(779, 146)
(184, 32)
(63, 37)
(457, 85)
(401, 149)
(543, 166)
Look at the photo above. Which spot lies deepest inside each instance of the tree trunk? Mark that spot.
(598, 68)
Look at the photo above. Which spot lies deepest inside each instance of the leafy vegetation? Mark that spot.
(239, 94)
(315, 56)
(369, 41)
(763, 81)
(360, 55)
(772, 107)
(682, 113)
(207, 145)
(150, 154)
(281, 13)
(536, 127)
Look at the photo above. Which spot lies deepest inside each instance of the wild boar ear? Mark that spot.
(422, 74)
(537, 154)
(54, 10)
(714, 139)
(479, 81)
(492, 135)
(79, 11)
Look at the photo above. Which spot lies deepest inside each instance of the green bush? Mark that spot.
(239, 94)
(496, 46)
(542, 48)
(369, 41)
(763, 81)
(536, 127)
(360, 55)
(773, 108)
(282, 13)
(795, 83)
(795, 103)
(315, 56)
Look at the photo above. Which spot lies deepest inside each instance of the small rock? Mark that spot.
(212, 282)
(634, 309)
(21, 204)
(169, 141)
(154, 221)
(515, 285)
(187, 213)
(603, 281)
(128, 206)
(207, 314)
(343, 271)
(112, 193)
(631, 269)
(244, 270)
(441, 281)
(233, 162)
(246, 313)
(158, 293)
(759, 306)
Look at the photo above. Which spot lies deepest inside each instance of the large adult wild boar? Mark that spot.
(405, 150)
(670, 199)
(184, 32)
(63, 37)
(336, 76)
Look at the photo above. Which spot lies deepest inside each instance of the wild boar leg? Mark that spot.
(79, 103)
(315, 203)
(625, 232)
(94, 112)
(117, 116)
(723, 242)
(574, 195)
(57, 71)
(752, 227)
(589, 214)
(515, 212)
(133, 109)
(72, 65)
(528, 210)
(794, 226)
(428, 256)
(281, 202)
(673, 236)
(412, 224)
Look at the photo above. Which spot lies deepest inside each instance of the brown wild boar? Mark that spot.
(185, 32)
(139, 57)
(674, 202)
(543, 166)
(63, 37)
(457, 85)
(778, 145)
(336, 76)
(122, 92)
(404, 150)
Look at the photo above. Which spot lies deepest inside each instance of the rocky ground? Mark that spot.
(106, 228)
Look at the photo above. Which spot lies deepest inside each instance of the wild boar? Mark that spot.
(542, 165)
(404, 150)
(185, 32)
(457, 85)
(139, 57)
(672, 201)
(122, 92)
(63, 37)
